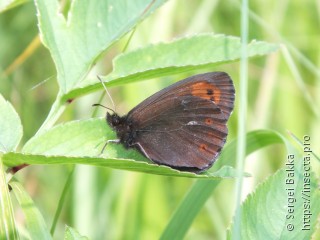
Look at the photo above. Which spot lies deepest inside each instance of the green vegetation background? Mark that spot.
(127, 205)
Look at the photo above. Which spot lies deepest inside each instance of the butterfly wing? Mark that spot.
(184, 125)
(215, 86)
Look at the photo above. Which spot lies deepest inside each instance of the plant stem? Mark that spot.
(241, 147)
(61, 201)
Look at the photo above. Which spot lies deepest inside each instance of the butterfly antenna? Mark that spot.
(100, 105)
(105, 88)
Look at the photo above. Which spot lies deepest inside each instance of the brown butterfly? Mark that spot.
(183, 126)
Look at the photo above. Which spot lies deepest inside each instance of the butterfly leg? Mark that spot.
(142, 150)
(109, 141)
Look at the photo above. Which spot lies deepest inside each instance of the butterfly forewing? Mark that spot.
(214, 86)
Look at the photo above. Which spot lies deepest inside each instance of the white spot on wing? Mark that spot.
(193, 123)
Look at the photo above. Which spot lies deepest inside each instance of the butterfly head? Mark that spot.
(123, 128)
(113, 119)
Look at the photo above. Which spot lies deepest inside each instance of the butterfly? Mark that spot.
(183, 126)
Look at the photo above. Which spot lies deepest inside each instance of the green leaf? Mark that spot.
(92, 26)
(74, 138)
(80, 142)
(10, 127)
(266, 212)
(255, 141)
(195, 199)
(7, 224)
(163, 59)
(72, 234)
(35, 223)
(14, 159)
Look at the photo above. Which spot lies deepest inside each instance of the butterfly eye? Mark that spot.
(115, 120)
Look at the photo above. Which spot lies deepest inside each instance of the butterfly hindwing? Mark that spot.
(190, 131)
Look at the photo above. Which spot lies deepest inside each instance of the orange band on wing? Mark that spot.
(206, 91)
